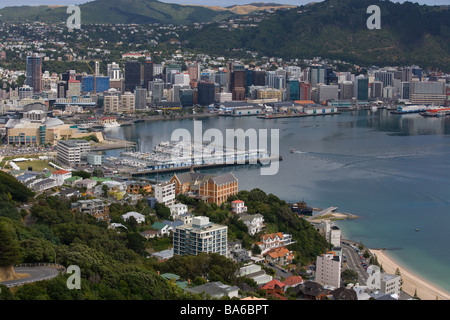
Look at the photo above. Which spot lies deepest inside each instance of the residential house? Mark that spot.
(161, 228)
(255, 272)
(26, 177)
(86, 183)
(178, 209)
(292, 281)
(343, 293)
(274, 240)
(280, 256)
(274, 286)
(138, 187)
(140, 218)
(311, 290)
(95, 207)
(238, 206)
(186, 218)
(163, 255)
(254, 222)
(69, 193)
(60, 175)
(72, 180)
(149, 234)
(44, 185)
(215, 290)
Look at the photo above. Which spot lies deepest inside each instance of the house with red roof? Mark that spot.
(274, 240)
(280, 256)
(274, 286)
(292, 281)
(60, 175)
(238, 206)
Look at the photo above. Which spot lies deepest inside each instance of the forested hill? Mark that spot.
(118, 12)
(337, 29)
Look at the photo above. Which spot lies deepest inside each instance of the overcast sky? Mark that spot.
(224, 3)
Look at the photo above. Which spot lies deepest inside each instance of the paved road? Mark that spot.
(354, 263)
(37, 273)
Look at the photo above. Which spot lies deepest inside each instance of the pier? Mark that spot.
(295, 115)
(144, 172)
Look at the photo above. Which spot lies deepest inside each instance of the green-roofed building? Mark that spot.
(170, 276)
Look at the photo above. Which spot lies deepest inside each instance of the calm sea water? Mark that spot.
(393, 171)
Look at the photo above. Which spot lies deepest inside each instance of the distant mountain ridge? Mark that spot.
(118, 12)
(133, 11)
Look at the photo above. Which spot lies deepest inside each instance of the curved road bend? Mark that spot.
(37, 273)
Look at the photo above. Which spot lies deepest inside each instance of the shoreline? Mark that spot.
(411, 281)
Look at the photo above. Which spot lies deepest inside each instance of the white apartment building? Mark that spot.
(165, 193)
(200, 236)
(390, 283)
(328, 270)
(71, 152)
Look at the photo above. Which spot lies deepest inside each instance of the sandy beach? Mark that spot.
(411, 282)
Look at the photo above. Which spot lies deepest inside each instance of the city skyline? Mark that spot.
(223, 3)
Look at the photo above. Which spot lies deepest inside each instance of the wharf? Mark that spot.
(144, 172)
(295, 115)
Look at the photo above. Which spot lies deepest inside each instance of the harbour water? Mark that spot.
(393, 171)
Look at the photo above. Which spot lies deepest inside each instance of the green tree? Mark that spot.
(9, 247)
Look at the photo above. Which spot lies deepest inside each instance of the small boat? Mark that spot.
(291, 150)
(417, 229)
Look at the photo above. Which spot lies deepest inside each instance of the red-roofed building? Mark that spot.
(60, 175)
(274, 240)
(293, 281)
(280, 256)
(238, 206)
(274, 286)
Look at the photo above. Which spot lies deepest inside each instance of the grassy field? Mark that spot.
(38, 165)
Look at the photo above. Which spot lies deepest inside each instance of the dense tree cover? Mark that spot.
(212, 267)
(111, 262)
(336, 29)
(13, 189)
(9, 246)
(279, 218)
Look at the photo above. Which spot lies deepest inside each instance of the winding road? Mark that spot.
(37, 273)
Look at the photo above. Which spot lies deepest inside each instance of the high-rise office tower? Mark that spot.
(376, 90)
(361, 88)
(206, 93)
(387, 77)
(258, 78)
(148, 72)
(305, 91)
(141, 98)
(316, 74)
(34, 72)
(132, 75)
(238, 83)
